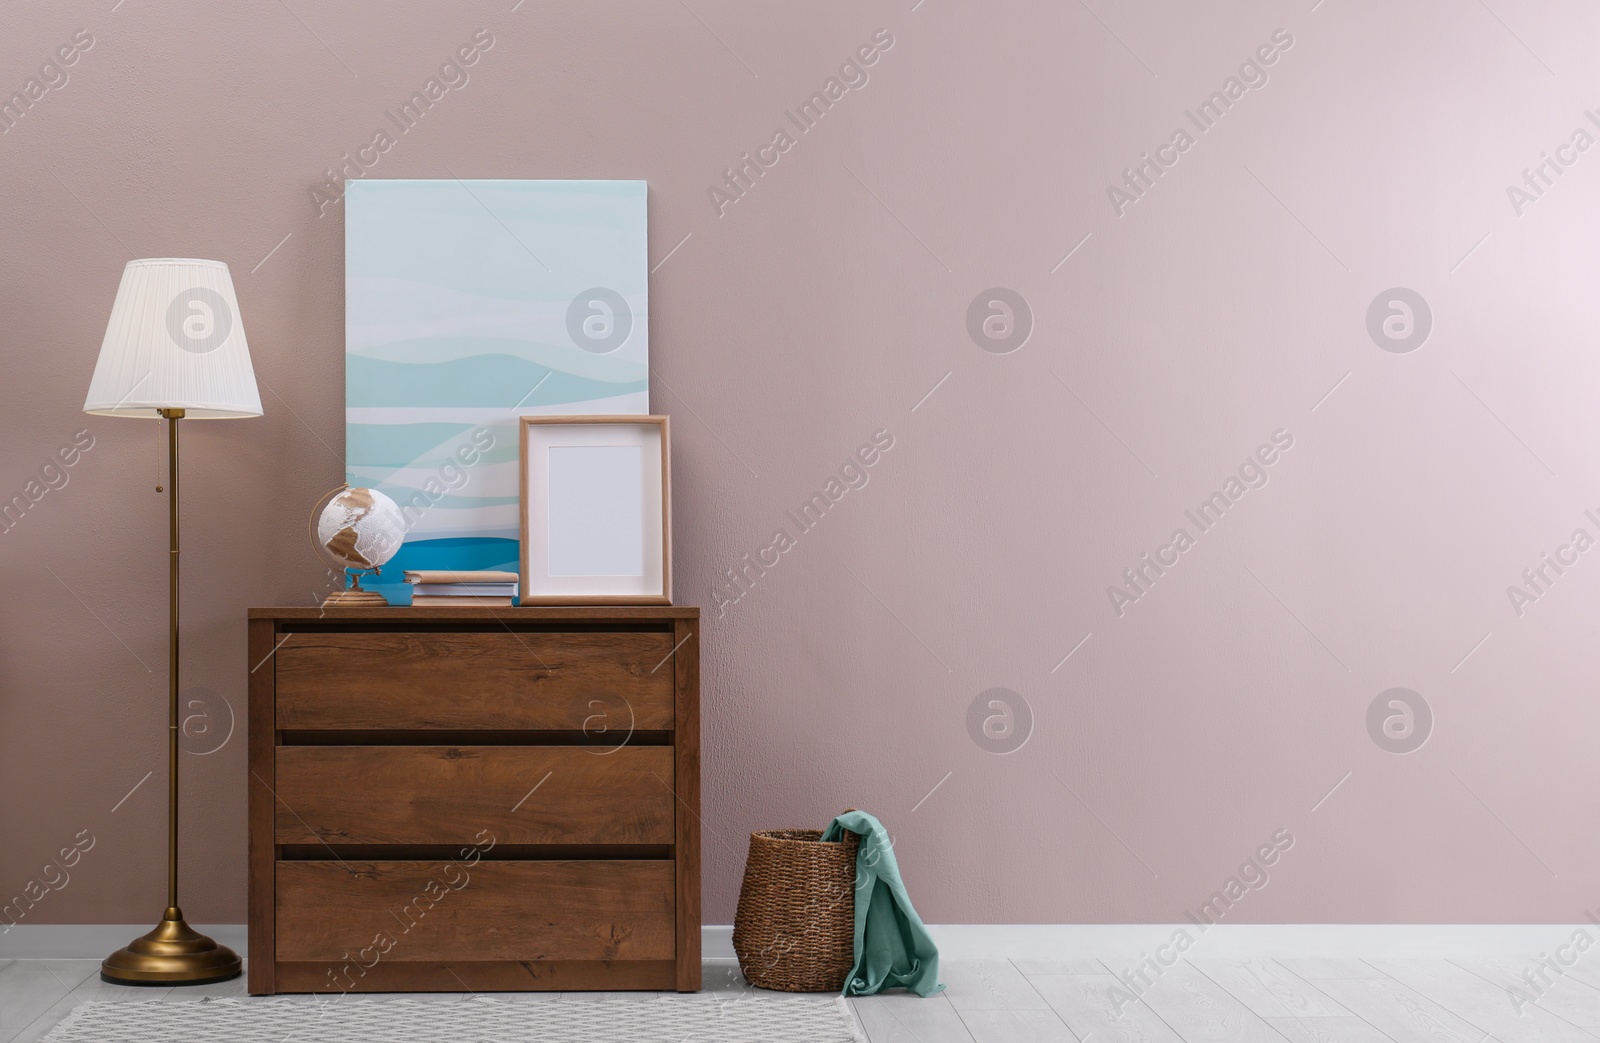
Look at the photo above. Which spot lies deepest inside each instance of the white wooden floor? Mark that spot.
(1067, 1001)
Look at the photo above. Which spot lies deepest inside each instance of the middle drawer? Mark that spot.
(447, 794)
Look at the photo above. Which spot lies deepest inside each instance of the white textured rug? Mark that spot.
(668, 1019)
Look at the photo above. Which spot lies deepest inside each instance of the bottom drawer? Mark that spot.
(441, 911)
(476, 976)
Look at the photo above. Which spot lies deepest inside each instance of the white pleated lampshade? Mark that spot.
(175, 341)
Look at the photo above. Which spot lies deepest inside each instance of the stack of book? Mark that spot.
(441, 588)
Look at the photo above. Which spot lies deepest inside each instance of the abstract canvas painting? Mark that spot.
(469, 304)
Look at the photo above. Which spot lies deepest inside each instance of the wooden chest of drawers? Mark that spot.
(475, 799)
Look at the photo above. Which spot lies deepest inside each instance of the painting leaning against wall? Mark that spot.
(469, 304)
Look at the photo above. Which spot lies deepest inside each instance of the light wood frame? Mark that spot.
(663, 598)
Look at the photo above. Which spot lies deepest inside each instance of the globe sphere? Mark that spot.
(360, 528)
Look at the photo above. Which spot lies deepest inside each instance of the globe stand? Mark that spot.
(355, 597)
(356, 531)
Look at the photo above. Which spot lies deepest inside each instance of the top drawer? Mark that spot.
(593, 682)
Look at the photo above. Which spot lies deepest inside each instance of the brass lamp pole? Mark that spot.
(174, 953)
(174, 348)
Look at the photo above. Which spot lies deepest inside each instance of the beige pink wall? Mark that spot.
(822, 307)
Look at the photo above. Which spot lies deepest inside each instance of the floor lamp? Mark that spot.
(174, 349)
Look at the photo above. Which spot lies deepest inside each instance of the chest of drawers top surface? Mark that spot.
(484, 798)
(401, 617)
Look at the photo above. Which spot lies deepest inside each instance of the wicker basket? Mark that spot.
(795, 928)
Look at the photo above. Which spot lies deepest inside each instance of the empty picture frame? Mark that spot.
(596, 510)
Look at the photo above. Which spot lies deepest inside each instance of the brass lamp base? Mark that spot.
(172, 954)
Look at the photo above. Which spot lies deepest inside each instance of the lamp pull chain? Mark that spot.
(159, 487)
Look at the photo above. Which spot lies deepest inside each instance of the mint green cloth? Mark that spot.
(893, 948)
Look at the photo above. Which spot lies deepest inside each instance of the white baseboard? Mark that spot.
(93, 941)
(999, 941)
(1225, 941)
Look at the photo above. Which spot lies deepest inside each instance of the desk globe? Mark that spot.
(357, 530)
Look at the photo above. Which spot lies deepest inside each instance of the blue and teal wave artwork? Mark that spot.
(470, 304)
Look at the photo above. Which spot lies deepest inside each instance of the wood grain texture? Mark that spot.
(259, 802)
(401, 617)
(989, 985)
(1269, 989)
(447, 794)
(1584, 970)
(1327, 1030)
(477, 976)
(446, 852)
(901, 1017)
(1491, 1010)
(1016, 1026)
(384, 742)
(686, 791)
(597, 742)
(1201, 1011)
(666, 507)
(381, 912)
(1098, 1004)
(1567, 997)
(1400, 1013)
(1079, 965)
(1313, 968)
(423, 679)
(30, 988)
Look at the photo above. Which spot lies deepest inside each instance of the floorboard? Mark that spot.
(899, 1017)
(1327, 1030)
(1269, 989)
(1480, 1004)
(1046, 1001)
(1312, 969)
(1586, 969)
(1016, 1026)
(30, 988)
(92, 989)
(989, 985)
(1201, 1011)
(1401, 1014)
(1093, 1004)
(1565, 997)
(1084, 966)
